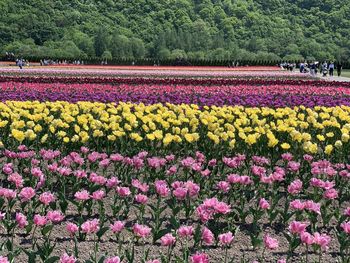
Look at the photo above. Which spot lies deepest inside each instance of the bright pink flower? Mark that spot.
(270, 243)
(112, 260)
(297, 227)
(8, 168)
(84, 149)
(104, 163)
(297, 205)
(308, 157)
(258, 170)
(97, 179)
(117, 227)
(226, 238)
(8, 193)
(36, 172)
(162, 188)
(123, 191)
(193, 188)
(26, 194)
(312, 206)
(185, 231)
(65, 258)
(263, 204)
(207, 236)
(21, 220)
(180, 193)
(200, 258)
(46, 198)
(40, 220)
(306, 238)
(55, 216)
(172, 170)
(112, 182)
(82, 195)
(212, 162)
(141, 231)
(287, 156)
(223, 186)
(143, 187)
(16, 179)
(322, 240)
(72, 228)
(346, 227)
(98, 195)
(90, 226)
(168, 240)
(295, 187)
(331, 194)
(80, 174)
(282, 260)
(4, 260)
(141, 199)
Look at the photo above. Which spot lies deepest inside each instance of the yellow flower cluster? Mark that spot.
(320, 128)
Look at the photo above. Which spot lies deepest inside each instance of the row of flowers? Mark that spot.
(214, 130)
(187, 204)
(245, 95)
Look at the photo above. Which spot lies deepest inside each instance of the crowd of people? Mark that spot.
(324, 68)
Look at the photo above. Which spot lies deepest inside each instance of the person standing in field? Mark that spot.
(331, 69)
(339, 68)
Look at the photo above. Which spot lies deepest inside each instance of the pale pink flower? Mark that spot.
(207, 236)
(297, 227)
(226, 238)
(72, 228)
(322, 240)
(16, 179)
(180, 193)
(168, 240)
(117, 227)
(306, 238)
(205, 173)
(65, 258)
(347, 212)
(295, 187)
(141, 231)
(141, 199)
(162, 188)
(4, 260)
(123, 191)
(26, 194)
(223, 186)
(293, 166)
(200, 258)
(55, 216)
(331, 194)
(8, 168)
(2, 215)
(185, 231)
(193, 188)
(46, 198)
(21, 220)
(112, 182)
(282, 260)
(40, 220)
(263, 204)
(297, 205)
(212, 162)
(172, 170)
(112, 260)
(287, 156)
(270, 243)
(98, 195)
(346, 227)
(90, 226)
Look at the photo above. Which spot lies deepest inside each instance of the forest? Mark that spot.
(169, 29)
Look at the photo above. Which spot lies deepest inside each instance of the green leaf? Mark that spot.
(161, 233)
(101, 232)
(52, 259)
(46, 229)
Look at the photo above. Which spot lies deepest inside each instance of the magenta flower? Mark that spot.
(180, 193)
(141, 231)
(346, 227)
(306, 238)
(270, 243)
(21, 220)
(65, 258)
(82, 195)
(26, 194)
(168, 240)
(117, 227)
(112, 260)
(200, 258)
(55, 216)
(185, 231)
(263, 204)
(331, 194)
(4, 259)
(141, 199)
(347, 212)
(2, 215)
(46, 198)
(207, 236)
(162, 188)
(16, 179)
(295, 187)
(226, 238)
(98, 195)
(40, 220)
(72, 228)
(322, 240)
(123, 191)
(223, 186)
(297, 227)
(90, 226)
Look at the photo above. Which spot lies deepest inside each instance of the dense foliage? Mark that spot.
(208, 29)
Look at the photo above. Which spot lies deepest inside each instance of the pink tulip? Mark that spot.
(117, 227)
(141, 199)
(263, 204)
(112, 260)
(112, 182)
(4, 259)
(346, 227)
(223, 186)
(2, 215)
(331, 194)
(46, 198)
(162, 188)
(347, 212)
(65, 258)
(185, 231)
(270, 243)
(207, 236)
(297, 227)
(141, 231)
(90, 226)
(322, 240)
(287, 156)
(226, 238)
(168, 240)
(180, 193)
(55, 216)
(282, 260)
(200, 258)
(40, 220)
(98, 195)
(16, 179)
(82, 195)
(21, 220)
(295, 187)
(26, 194)
(306, 238)
(72, 228)
(123, 191)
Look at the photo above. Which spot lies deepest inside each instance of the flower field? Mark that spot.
(173, 169)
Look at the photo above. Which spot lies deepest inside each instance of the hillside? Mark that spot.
(207, 29)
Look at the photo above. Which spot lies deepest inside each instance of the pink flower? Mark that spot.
(193, 188)
(141, 231)
(141, 199)
(205, 173)
(331, 194)
(26, 194)
(82, 195)
(207, 236)
(282, 260)
(4, 260)
(322, 240)
(172, 170)
(347, 212)
(185, 231)
(16, 179)
(46, 198)
(168, 240)
(112, 182)
(200, 258)
(180, 193)
(297, 227)
(212, 162)
(287, 156)
(65, 258)
(263, 204)
(293, 166)
(98, 195)
(306, 238)
(72, 228)
(117, 227)
(162, 188)
(21, 220)
(153, 261)
(90, 226)
(270, 243)
(297, 205)
(223, 186)
(2, 215)
(308, 157)
(346, 227)
(8, 168)
(123, 191)
(40, 220)
(295, 187)
(226, 238)
(112, 260)
(55, 216)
